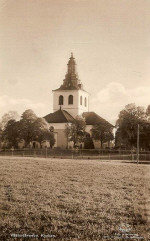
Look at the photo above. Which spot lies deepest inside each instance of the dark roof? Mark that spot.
(69, 88)
(92, 118)
(59, 116)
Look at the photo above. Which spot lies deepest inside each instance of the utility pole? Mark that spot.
(138, 144)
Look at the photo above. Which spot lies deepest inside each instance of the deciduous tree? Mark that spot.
(43, 132)
(10, 134)
(102, 132)
(27, 126)
(127, 123)
(88, 142)
(11, 115)
(33, 128)
(76, 131)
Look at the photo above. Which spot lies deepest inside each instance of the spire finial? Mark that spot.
(71, 54)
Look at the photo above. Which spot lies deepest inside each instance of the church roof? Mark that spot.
(59, 116)
(92, 118)
(62, 116)
(71, 87)
(62, 87)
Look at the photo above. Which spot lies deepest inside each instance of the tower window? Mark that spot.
(85, 102)
(70, 99)
(61, 100)
(80, 100)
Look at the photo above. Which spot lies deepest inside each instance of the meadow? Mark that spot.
(58, 199)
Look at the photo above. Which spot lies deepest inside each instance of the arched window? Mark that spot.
(85, 102)
(61, 100)
(70, 99)
(80, 100)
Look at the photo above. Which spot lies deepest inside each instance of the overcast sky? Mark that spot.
(110, 40)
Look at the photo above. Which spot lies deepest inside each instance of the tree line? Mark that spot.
(31, 128)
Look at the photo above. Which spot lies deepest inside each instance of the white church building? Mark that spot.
(70, 100)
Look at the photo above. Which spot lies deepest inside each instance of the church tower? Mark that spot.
(71, 96)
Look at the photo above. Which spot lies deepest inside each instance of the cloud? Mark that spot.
(111, 100)
(20, 105)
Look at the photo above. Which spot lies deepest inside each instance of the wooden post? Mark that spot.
(46, 152)
(12, 151)
(138, 144)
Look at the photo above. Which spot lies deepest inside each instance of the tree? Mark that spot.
(43, 132)
(0, 137)
(32, 128)
(11, 115)
(27, 127)
(102, 132)
(129, 118)
(76, 131)
(10, 134)
(148, 113)
(88, 142)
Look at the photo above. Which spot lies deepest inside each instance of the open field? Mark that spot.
(74, 199)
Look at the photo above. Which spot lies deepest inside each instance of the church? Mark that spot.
(71, 100)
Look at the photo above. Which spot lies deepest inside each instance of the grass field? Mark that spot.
(73, 199)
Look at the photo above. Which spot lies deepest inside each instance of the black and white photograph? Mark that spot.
(75, 120)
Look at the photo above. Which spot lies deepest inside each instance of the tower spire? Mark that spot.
(72, 66)
(71, 80)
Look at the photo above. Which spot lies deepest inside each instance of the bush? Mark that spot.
(88, 143)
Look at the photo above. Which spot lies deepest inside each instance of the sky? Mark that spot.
(110, 40)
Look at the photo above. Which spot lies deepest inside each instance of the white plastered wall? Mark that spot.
(74, 109)
(59, 134)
